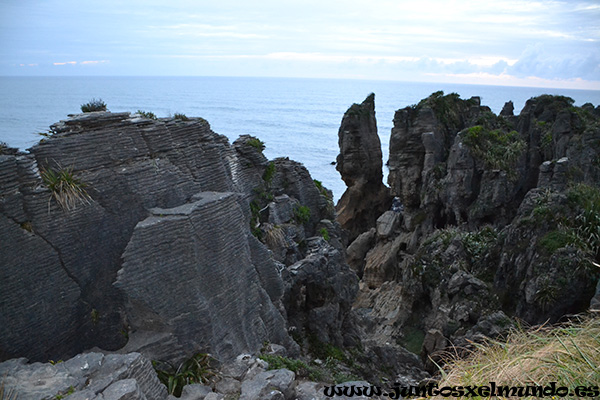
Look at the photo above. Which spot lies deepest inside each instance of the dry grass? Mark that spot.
(568, 355)
(7, 394)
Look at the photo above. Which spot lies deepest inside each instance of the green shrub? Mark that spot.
(256, 143)
(269, 172)
(198, 369)
(181, 117)
(93, 105)
(146, 114)
(499, 150)
(325, 233)
(477, 244)
(302, 214)
(67, 190)
(554, 240)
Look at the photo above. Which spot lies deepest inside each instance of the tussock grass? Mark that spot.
(67, 190)
(568, 355)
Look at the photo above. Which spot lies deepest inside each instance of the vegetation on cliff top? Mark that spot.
(567, 355)
(93, 105)
(498, 149)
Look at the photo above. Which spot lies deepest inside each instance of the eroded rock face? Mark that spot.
(160, 259)
(487, 206)
(161, 255)
(360, 165)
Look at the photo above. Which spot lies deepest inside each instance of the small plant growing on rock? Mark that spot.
(499, 150)
(302, 214)
(67, 190)
(325, 233)
(269, 172)
(181, 117)
(93, 105)
(146, 114)
(200, 368)
(256, 143)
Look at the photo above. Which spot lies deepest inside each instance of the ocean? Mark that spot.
(296, 118)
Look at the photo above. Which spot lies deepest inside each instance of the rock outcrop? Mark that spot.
(495, 217)
(360, 165)
(86, 376)
(121, 230)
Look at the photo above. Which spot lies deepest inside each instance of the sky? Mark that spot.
(552, 44)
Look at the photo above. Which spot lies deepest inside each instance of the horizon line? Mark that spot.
(374, 79)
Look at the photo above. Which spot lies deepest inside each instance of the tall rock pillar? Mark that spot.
(360, 165)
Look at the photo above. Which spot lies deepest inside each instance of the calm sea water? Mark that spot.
(297, 118)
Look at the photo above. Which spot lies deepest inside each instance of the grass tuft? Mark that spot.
(567, 355)
(146, 114)
(200, 368)
(67, 190)
(181, 117)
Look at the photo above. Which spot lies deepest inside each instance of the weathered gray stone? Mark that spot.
(126, 389)
(90, 375)
(275, 384)
(195, 391)
(200, 251)
(387, 224)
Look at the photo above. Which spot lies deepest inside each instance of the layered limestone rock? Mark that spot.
(494, 218)
(157, 253)
(360, 165)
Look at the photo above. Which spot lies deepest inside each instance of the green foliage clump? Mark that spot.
(299, 367)
(546, 141)
(269, 172)
(146, 114)
(325, 350)
(302, 214)
(554, 240)
(181, 117)
(93, 105)
(256, 143)
(586, 226)
(445, 107)
(67, 190)
(200, 368)
(499, 150)
(325, 233)
(477, 244)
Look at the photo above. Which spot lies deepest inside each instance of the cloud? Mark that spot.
(65, 63)
(94, 62)
(537, 61)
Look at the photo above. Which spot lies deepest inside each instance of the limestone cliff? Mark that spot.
(494, 217)
(121, 230)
